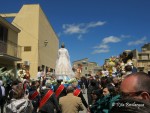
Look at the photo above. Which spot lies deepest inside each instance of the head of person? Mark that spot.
(74, 84)
(97, 77)
(109, 90)
(62, 45)
(59, 81)
(93, 82)
(33, 83)
(136, 85)
(96, 94)
(48, 84)
(128, 68)
(70, 89)
(131, 105)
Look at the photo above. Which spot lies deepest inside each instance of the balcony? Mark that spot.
(10, 51)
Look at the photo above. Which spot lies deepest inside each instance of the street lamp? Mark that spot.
(45, 43)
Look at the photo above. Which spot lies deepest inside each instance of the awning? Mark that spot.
(8, 57)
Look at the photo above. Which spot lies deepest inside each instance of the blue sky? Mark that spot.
(94, 29)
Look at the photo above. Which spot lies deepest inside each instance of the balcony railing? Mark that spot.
(10, 48)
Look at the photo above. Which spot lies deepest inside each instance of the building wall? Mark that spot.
(10, 46)
(13, 42)
(46, 33)
(35, 28)
(87, 66)
(27, 21)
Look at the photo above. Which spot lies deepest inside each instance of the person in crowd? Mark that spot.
(48, 100)
(17, 90)
(89, 79)
(48, 73)
(27, 76)
(128, 70)
(103, 82)
(104, 104)
(60, 90)
(77, 92)
(2, 96)
(34, 96)
(136, 85)
(93, 86)
(40, 73)
(70, 103)
(83, 84)
(26, 86)
(117, 82)
(98, 81)
(96, 95)
(131, 105)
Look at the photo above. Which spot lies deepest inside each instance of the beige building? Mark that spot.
(37, 38)
(87, 67)
(10, 51)
(142, 59)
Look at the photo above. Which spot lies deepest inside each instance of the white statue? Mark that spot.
(63, 69)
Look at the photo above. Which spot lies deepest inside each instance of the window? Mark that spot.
(144, 57)
(3, 33)
(27, 48)
(85, 68)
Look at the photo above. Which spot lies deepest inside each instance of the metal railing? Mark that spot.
(10, 48)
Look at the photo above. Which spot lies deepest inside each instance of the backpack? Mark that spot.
(19, 106)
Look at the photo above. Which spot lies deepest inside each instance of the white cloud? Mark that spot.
(100, 51)
(80, 28)
(95, 24)
(103, 47)
(73, 29)
(111, 39)
(137, 42)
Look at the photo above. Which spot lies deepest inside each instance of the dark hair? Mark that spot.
(63, 46)
(93, 82)
(131, 105)
(109, 80)
(98, 92)
(70, 89)
(103, 82)
(111, 89)
(33, 83)
(143, 80)
(59, 81)
(128, 68)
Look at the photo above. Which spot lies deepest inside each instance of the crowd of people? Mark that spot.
(104, 94)
(118, 88)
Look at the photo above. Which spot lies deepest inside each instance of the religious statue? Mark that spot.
(63, 69)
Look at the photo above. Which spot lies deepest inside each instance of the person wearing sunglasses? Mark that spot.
(136, 85)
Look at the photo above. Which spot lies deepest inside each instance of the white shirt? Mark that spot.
(3, 89)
